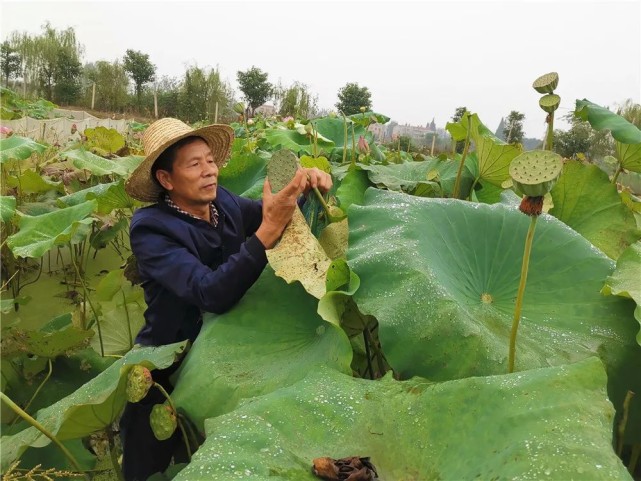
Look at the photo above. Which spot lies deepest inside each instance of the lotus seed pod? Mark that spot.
(239, 107)
(550, 102)
(139, 381)
(535, 172)
(163, 421)
(546, 84)
(281, 169)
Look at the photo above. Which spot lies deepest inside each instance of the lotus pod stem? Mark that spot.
(457, 183)
(172, 407)
(521, 291)
(549, 137)
(16, 409)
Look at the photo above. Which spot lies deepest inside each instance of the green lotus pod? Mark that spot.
(239, 108)
(546, 84)
(163, 421)
(535, 172)
(281, 169)
(550, 102)
(139, 381)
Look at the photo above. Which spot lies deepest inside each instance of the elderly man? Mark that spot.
(198, 247)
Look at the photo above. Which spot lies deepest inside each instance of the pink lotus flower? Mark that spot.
(287, 119)
(363, 146)
(6, 131)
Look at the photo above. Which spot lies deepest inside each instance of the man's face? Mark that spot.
(194, 177)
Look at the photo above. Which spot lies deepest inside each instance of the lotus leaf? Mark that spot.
(7, 207)
(292, 140)
(91, 408)
(625, 281)
(552, 423)
(110, 196)
(406, 177)
(588, 202)
(32, 183)
(270, 339)
(244, 175)
(441, 277)
(103, 140)
(39, 234)
(18, 148)
(601, 118)
(95, 164)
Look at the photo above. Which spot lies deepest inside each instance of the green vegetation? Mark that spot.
(400, 353)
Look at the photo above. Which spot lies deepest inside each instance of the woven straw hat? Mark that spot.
(162, 134)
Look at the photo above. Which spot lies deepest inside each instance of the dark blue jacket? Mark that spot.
(187, 265)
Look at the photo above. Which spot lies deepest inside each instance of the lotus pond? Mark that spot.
(381, 328)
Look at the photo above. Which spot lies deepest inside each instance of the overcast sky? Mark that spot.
(420, 59)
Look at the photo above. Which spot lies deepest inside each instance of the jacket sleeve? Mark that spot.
(164, 260)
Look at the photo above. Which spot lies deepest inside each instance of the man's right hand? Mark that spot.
(279, 208)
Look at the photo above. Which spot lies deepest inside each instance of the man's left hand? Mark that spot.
(319, 179)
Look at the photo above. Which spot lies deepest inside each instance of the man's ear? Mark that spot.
(164, 178)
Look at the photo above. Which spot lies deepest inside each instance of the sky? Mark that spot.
(420, 59)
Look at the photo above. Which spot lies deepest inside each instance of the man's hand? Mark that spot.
(319, 179)
(278, 208)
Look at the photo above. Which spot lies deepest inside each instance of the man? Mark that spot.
(198, 248)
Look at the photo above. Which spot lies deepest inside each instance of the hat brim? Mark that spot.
(140, 184)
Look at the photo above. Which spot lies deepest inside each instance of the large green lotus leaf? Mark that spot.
(18, 148)
(7, 207)
(445, 172)
(441, 277)
(366, 118)
(90, 408)
(458, 130)
(334, 130)
(625, 281)
(552, 423)
(601, 118)
(104, 140)
(119, 323)
(32, 183)
(95, 164)
(352, 188)
(244, 175)
(587, 201)
(39, 234)
(109, 196)
(629, 155)
(494, 159)
(405, 177)
(292, 140)
(270, 339)
(130, 162)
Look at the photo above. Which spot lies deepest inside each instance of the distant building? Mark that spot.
(266, 110)
(392, 131)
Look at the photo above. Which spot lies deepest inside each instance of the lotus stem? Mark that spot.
(88, 299)
(44, 381)
(124, 303)
(344, 137)
(616, 174)
(180, 425)
(519, 296)
(353, 144)
(623, 422)
(457, 184)
(634, 458)
(550, 133)
(43, 430)
(112, 455)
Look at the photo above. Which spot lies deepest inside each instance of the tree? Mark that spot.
(111, 85)
(295, 101)
(513, 131)
(200, 92)
(9, 61)
(140, 69)
(254, 86)
(67, 73)
(352, 97)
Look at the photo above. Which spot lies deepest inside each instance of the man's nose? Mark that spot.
(210, 169)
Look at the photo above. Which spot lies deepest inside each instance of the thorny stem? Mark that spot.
(37, 390)
(180, 424)
(623, 422)
(42, 429)
(519, 296)
(88, 299)
(457, 184)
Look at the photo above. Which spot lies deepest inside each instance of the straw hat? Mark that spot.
(162, 134)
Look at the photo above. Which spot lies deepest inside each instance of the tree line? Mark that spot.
(49, 65)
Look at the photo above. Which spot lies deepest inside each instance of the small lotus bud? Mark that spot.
(362, 109)
(74, 129)
(363, 146)
(239, 107)
(289, 118)
(332, 115)
(139, 381)
(5, 131)
(250, 122)
(163, 421)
